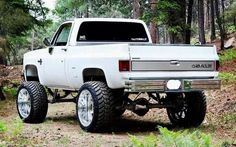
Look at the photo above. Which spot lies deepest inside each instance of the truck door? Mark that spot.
(54, 63)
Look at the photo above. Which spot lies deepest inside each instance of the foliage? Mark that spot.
(86, 8)
(68, 9)
(184, 138)
(228, 55)
(16, 19)
(227, 77)
(3, 127)
(10, 91)
(17, 127)
(19, 12)
(230, 13)
(111, 8)
(169, 138)
(147, 141)
(33, 39)
(231, 29)
(162, 15)
(12, 134)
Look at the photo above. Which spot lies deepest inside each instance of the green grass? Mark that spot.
(227, 77)
(147, 141)
(11, 133)
(17, 127)
(10, 92)
(173, 139)
(229, 118)
(3, 127)
(228, 55)
(63, 141)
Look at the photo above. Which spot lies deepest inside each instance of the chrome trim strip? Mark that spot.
(170, 45)
(160, 85)
(167, 65)
(169, 78)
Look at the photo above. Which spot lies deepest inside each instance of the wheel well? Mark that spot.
(31, 73)
(93, 74)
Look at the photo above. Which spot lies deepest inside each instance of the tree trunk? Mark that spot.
(207, 14)
(153, 32)
(189, 21)
(223, 15)
(201, 28)
(153, 25)
(223, 7)
(87, 11)
(136, 9)
(213, 29)
(32, 41)
(219, 22)
(235, 21)
(3, 48)
(1, 59)
(2, 97)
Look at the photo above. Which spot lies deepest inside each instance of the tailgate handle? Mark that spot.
(174, 62)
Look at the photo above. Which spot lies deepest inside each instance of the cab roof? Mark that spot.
(106, 20)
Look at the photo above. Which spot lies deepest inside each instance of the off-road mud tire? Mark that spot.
(195, 109)
(38, 100)
(103, 103)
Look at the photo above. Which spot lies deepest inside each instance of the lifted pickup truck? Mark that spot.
(103, 61)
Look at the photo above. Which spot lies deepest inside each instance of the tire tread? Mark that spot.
(39, 103)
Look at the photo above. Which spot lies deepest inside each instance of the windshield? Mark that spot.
(93, 31)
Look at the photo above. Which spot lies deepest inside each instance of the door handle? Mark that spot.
(64, 49)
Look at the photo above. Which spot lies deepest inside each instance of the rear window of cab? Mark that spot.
(94, 31)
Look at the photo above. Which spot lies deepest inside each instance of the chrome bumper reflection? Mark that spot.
(161, 85)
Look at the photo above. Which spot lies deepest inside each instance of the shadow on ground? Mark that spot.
(122, 125)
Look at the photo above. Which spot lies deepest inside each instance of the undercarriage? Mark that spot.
(139, 103)
(97, 106)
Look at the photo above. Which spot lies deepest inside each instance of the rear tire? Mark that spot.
(119, 103)
(32, 102)
(188, 113)
(94, 106)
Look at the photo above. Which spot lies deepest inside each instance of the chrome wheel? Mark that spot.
(85, 108)
(24, 103)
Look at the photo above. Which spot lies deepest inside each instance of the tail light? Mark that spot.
(124, 65)
(217, 65)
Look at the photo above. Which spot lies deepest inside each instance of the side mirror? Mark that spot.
(50, 49)
(47, 42)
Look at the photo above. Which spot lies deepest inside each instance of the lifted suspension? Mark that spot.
(57, 98)
(141, 106)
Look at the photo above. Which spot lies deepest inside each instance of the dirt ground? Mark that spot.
(62, 129)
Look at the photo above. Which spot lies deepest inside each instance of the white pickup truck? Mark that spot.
(103, 61)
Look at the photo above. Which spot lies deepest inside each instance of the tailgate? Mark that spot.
(172, 58)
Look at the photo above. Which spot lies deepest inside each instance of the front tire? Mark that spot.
(190, 109)
(94, 106)
(32, 102)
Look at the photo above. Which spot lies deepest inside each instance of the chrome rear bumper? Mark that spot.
(161, 85)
